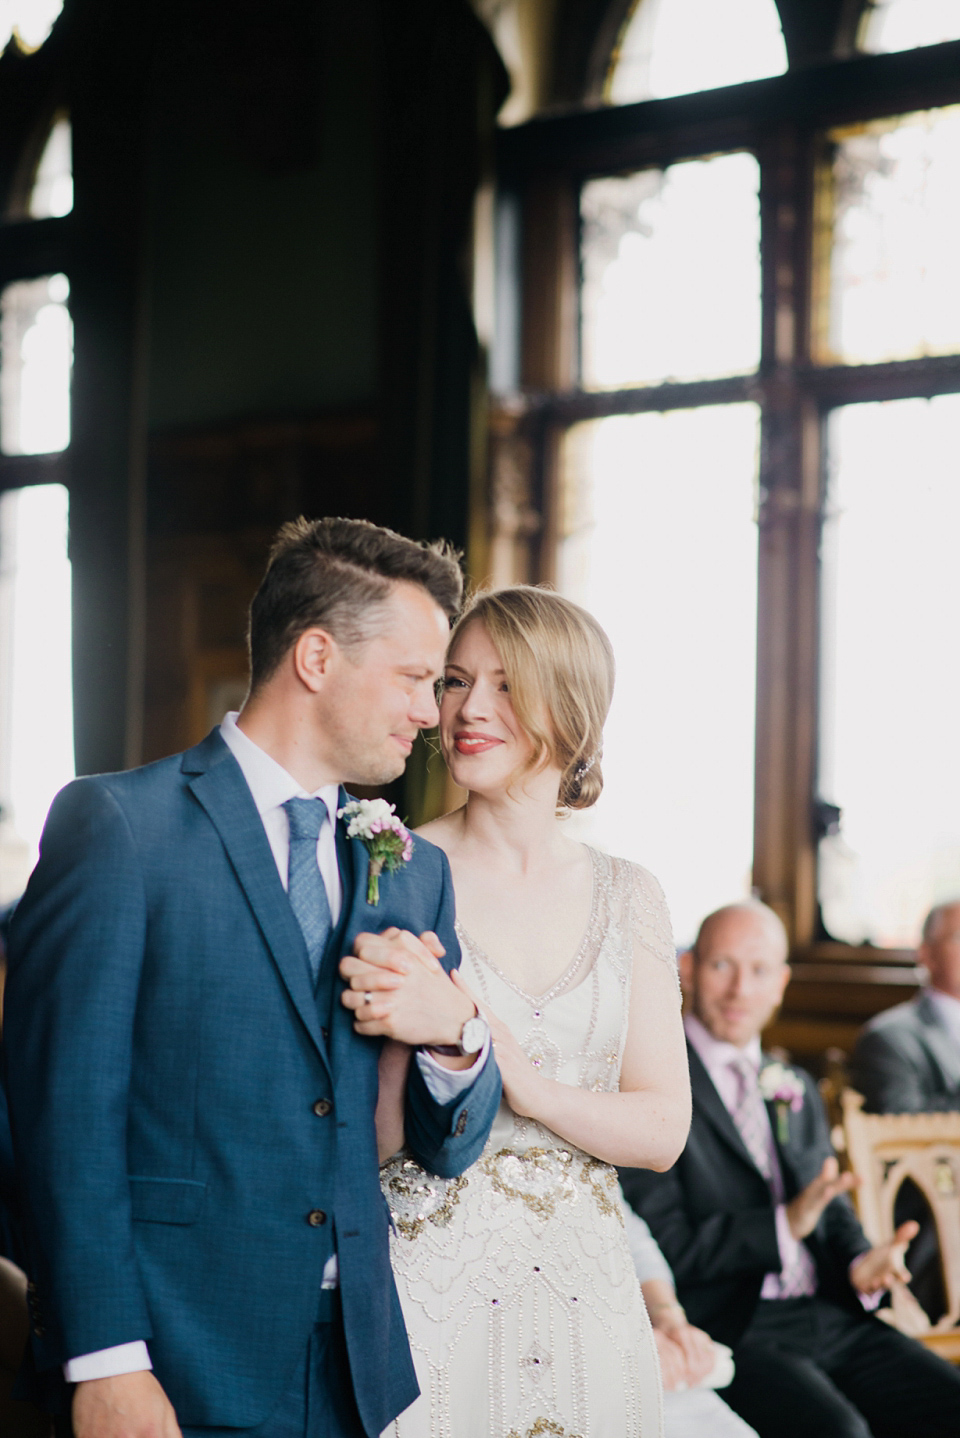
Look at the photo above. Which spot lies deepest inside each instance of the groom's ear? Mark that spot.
(313, 656)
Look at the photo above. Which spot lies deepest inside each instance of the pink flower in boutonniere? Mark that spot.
(386, 839)
(781, 1086)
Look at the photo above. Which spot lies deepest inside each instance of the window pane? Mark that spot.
(661, 545)
(895, 281)
(29, 20)
(52, 193)
(890, 691)
(674, 47)
(36, 357)
(671, 273)
(36, 705)
(905, 24)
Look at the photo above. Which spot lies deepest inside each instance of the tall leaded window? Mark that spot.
(36, 358)
(673, 47)
(889, 25)
(744, 437)
(36, 704)
(36, 363)
(52, 194)
(27, 22)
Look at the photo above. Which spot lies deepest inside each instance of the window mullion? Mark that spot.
(789, 519)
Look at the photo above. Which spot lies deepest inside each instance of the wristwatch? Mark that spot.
(473, 1036)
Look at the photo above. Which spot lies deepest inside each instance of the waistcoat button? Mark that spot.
(322, 1107)
(316, 1218)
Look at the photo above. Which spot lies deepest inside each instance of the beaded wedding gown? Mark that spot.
(520, 1298)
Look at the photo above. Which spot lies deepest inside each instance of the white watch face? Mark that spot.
(473, 1035)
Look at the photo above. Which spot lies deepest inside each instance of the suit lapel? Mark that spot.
(219, 786)
(711, 1105)
(942, 1048)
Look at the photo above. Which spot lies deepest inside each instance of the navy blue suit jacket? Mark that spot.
(165, 1052)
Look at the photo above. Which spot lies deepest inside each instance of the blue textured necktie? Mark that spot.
(305, 886)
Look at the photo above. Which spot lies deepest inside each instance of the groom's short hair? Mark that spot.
(335, 574)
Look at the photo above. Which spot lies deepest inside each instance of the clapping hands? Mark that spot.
(884, 1266)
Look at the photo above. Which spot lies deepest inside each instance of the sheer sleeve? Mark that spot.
(650, 920)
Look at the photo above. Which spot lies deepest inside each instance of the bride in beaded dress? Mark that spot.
(518, 1290)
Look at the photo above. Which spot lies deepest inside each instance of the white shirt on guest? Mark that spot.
(271, 786)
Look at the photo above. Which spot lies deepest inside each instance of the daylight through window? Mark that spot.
(36, 704)
(661, 545)
(36, 358)
(674, 47)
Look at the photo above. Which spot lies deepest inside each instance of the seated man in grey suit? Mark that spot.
(907, 1060)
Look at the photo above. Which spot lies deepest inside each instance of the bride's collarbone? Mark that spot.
(532, 934)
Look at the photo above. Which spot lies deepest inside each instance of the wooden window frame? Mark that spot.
(781, 120)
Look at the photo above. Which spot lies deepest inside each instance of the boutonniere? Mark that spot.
(388, 842)
(781, 1086)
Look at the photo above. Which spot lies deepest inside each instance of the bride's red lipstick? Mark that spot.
(466, 742)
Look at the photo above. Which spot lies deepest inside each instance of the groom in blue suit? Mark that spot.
(192, 1103)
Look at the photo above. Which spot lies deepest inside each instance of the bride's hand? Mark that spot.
(522, 1084)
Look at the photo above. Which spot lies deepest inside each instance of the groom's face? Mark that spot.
(383, 691)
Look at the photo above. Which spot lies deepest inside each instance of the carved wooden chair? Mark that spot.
(884, 1151)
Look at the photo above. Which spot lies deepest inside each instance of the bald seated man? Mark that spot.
(755, 1221)
(907, 1060)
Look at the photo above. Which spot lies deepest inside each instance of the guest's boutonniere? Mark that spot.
(388, 842)
(781, 1086)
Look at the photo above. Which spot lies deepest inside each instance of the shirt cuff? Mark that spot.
(870, 1301)
(786, 1243)
(108, 1362)
(447, 1084)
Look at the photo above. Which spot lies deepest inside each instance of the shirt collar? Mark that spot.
(268, 781)
(717, 1054)
(948, 1011)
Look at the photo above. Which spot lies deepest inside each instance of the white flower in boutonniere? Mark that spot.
(388, 842)
(781, 1086)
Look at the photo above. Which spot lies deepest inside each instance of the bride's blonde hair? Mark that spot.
(560, 668)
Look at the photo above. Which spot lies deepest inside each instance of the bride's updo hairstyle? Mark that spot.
(559, 665)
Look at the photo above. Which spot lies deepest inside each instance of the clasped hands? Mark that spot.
(397, 988)
(877, 1268)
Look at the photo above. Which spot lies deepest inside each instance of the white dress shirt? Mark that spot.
(271, 787)
(947, 1009)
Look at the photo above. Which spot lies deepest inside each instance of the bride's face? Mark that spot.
(482, 739)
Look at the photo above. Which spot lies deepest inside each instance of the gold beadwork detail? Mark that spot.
(537, 1163)
(541, 1426)
(593, 1174)
(412, 1186)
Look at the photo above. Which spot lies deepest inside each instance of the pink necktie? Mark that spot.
(798, 1279)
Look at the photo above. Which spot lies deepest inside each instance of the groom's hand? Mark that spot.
(132, 1405)
(398, 988)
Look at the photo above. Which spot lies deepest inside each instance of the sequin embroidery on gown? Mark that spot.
(524, 1312)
